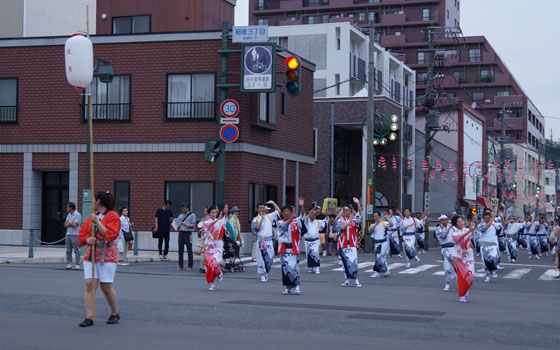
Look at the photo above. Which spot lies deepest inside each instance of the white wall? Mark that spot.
(58, 17)
(472, 148)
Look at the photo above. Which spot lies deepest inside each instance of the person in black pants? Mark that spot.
(188, 222)
(163, 219)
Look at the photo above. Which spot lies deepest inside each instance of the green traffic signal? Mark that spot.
(212, 151)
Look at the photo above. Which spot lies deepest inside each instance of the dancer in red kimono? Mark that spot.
(213, 234)
(464, 258)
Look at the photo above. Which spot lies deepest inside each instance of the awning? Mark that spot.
(485, 202)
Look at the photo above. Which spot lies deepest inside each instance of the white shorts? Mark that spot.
(105, 273)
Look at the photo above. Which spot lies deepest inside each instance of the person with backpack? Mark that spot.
(379, 231)
(188, 222)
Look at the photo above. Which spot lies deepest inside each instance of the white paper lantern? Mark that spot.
(78, 54)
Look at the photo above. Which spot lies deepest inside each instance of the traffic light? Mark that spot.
(294, 75)
(212, 150)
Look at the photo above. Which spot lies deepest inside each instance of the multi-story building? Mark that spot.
(468, 67)
(340, 52)
(149, 130)
(31, 18)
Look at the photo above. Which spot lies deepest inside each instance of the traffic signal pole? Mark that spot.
(223, 97)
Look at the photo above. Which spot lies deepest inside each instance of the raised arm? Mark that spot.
(276, 207)
(357, 204)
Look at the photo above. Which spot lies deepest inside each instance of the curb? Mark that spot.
(54, 260)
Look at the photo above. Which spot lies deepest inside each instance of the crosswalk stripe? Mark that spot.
(418, 269)
(390, 267)
(517, 273)
(360, 266)
(246, 258)
(439, 273)
(549, 275)
(256, 263)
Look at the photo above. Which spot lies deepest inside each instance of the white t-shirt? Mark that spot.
(313, 227)
(379, 231)
(266, 226)
(408, 221)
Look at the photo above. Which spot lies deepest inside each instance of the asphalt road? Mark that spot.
(41, 306)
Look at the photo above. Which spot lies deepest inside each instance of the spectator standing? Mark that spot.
(234, 221)
(126, 226)
(72, 224)
(163, 219)
(188, 223)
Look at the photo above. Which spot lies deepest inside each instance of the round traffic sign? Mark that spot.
(229, 108)
(258, 60)
(229, 133)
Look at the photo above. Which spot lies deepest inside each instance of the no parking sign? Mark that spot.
(229, 133)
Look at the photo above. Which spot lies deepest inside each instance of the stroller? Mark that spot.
(231, 255)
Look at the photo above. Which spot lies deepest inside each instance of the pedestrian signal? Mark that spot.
(294, 75)
(212, 151)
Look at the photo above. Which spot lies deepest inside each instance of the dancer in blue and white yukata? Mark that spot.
(289, 233)
(511, 230)
(531, 228)
(542, 236)
(489, 245)
(409, 226)
(420, 231)
(379, 231)
(313, 228)
(262, 227)
(393, 234)
(445, 237)
(347, 228)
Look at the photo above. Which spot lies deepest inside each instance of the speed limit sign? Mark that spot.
(229, 108)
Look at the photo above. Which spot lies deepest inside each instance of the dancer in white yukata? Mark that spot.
(313, 227)
(531, 228)
(542, 236)
(489, 245)
(262, 226)
(511, 230)
(409, 226)
(420, 231)
(347, 228)
(289, 232)
(445, 237)
(393, 234)
(379, 231)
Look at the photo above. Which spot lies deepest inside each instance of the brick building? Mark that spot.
(149, 139)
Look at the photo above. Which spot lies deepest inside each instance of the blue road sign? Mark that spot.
(229, 133)
(258, 68)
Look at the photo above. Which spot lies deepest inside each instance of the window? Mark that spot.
(337, 82)
(311, 3)
(460, 76)
(371, 16)
(428, 14)
(254, 199)
(325, 18)
(378, 80)
(451, 94)
(451, 52)
(8, 100)
(131, 24)
(362, 17)
(270, 193)
(397, 92)
(283, 103)
(267, 107)
(475, 55)
(486, 75)
(197, 194)
(291, 18)
(313, 19)
(335, 16)
(283, 42)
(422, 78)
(110, 101)
(422, 57)
(263, 21)
(340, 150)
(315, 143)
(479, 95)
(447, 14)
(503, 93)
(190, 96)
(122, 195)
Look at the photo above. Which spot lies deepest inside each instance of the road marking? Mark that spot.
(360, 266)
(417, 269)
(510, 264)
(549, 275)
(439, 273)
(517, 273)
(246, 258)
(390, 267)
(256, 263)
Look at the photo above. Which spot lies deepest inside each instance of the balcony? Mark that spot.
(108, 112)
(394, 19)
(190, 110)
(290, 23)
(8, 114)
(421, 19)
(314, 3)
(393, 40)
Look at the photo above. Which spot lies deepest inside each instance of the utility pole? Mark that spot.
(223, 96)
(538, 180)
(501, 181)
(370, 174)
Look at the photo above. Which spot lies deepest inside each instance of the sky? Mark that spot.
(525, 36)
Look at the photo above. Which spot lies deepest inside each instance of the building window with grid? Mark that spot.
(131, 24)
(421, 78)
(361, 16)
(8, 100)
(110, 101)
(254, 199)
(267, 107)
(479, 95)
(263, 21)
(460, 76)
(190, 96)
(486, 75)
(196, 194)
(270, 193)
(422, 57)
(428, 14)
(313, 19)
(475, 55)
(122, 195)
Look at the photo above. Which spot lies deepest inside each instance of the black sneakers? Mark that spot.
(114, 318)
(87, 322)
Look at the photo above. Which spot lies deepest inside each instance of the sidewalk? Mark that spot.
(41, 254)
